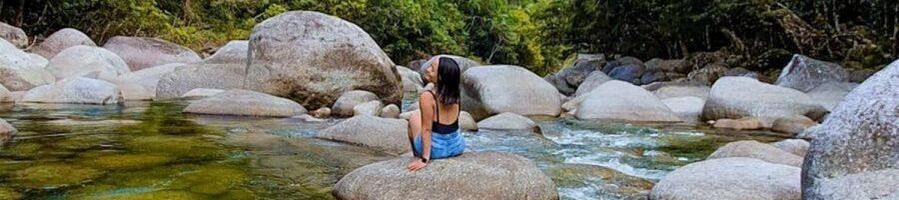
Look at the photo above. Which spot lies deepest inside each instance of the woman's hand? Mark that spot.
(416, 165)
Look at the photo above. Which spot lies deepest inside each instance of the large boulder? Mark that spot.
(235, 52)
(20, 71)
(505, 88)
(312, 58)
(628, 69)
(371, 108)
(14, 35)
(507, 121)
(804, 73)
(200, 93)
(76, 90)
(859, 138)
(688, 108)
(568, 80)
(245, 103)
(729, 178)
(189, 77)
(7, 132)
(347, 102)
(672, 91)
(757, 150)
(621, 101)
(830, 94)
(737, 97)
(384, 134)
(474, 175)
(875, 184)
(795, 146)
(593, 81)
(62, 40)
(143, 52)
(149, 77)
(82, 60)
(412, 81)
(135, 92)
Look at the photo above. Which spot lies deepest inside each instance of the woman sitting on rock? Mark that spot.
(434, 131)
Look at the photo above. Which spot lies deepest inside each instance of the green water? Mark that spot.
(153, 151)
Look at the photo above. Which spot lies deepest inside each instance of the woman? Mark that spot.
(434, 131)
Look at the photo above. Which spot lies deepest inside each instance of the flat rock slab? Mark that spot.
(246, 103)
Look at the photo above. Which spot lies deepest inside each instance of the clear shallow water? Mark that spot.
(153, 151)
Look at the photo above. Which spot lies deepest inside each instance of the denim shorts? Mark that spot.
(442, 145)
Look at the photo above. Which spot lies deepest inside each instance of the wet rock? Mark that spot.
(322, 112)
(13, 35)
(708, 74)
(479, 175)
(795, 146)
(607, 182)
(189, 77)
(211, 179)
(688, 108)
(746, 123)
(792, 125)
(505, 88)
(53, 176)
(507, 121)
(830, 94)
(126, 161)
(143, 52)
(652, 76)
(200, 93)
(245, 103)
(62, 40)
(82, 60)
(466, 122)
(757, 150)
(857, 139)
(390, 111)
(7, 132)
(412, 81)
(135, 92)
(7, 193)
(149, 77)
(730, 178)
(347, 102)
(569, 79)
(804, 73)
(628, 69)
(620, 101)
(235, 52)
(672, 91)
(76, 90)
(20, 71)
(738, 97)
(388, 135)
(593, 81)
(313, 58)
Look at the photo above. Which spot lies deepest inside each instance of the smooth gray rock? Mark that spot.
(347, 102)
(621, 101)
(466, 122)
(672, 91)
(149, 77)
(82, 60)
(20, 71)
(143, 52)
(505, 88)
(189, 77)
(795, 146)
(14, 35)
(804, 73)
(730, 178)
(737, 97)
(412, 81)
(593, 81)
(688, 108)
(507, 121)
(830, 94)
(757, 150)
(245, 103)
(792, 125)
(371, 108)
(390, 111)
(235, 52)
(474, 175)
(61, 40)
(384, 134)
(76, 90)
(568, 79)
(861, 135)
(313, 58)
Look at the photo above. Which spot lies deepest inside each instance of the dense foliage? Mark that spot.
(538, 34)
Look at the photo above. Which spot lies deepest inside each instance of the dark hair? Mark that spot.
(448, 76)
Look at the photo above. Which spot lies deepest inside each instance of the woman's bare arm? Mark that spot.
(426, 105)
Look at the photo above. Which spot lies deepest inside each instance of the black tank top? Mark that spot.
(436, 126)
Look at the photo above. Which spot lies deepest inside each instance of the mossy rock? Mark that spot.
(180, 147)
(212, 179)
(238, 194)
(607, 181)
(153, 177)
(82, 142)
(127, 162)
(7, 193)
(151, 195)
(21, 149)
(54, 175)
